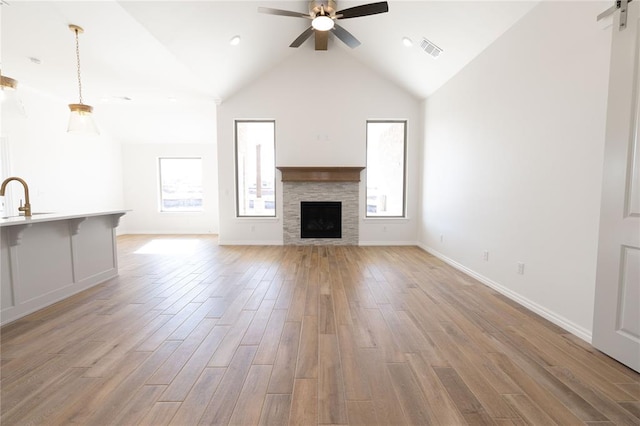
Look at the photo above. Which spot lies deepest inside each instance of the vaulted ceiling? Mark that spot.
(163, 51)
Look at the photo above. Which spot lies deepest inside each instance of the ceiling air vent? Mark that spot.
(430, 48)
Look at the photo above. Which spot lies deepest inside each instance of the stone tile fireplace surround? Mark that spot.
(321, 184)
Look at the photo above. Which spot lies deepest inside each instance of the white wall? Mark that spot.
(142, 190)
(64, 172)
(512, 162)
(320, 102)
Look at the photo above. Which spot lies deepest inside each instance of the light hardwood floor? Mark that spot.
(300, 335)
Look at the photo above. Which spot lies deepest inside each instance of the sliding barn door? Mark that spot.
(616, 328)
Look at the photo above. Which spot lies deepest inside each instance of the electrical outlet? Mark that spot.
(485, 255)
(441, 238)
(253, 228)
(520, 268)
(384, 229)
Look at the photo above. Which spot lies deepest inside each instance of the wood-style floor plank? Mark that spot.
(472, 410)
(223, 402)
(160, 414)
(331, 397)
(361, 413)
(121, 394)
(249, 405)
(165, 374)
(300, 335)
(284, 366)
(441, 407)
(307, 362)
(412, 400)
(304, 403)
(529, 411)
(275, 410)
(192, 407)
(384, 398)
(355, 381)
(180, 386)
(268, 347)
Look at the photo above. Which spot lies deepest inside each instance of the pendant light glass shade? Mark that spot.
(9, 96)
(81, 118)
(7, 83)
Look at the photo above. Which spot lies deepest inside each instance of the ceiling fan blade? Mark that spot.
(302, 37)
(364, 10)
(344, 35)
(280, 12)
(322, 40)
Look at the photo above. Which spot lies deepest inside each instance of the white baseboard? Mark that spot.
(166, 232)
(387, 243)
(249, 243)
(558, 320)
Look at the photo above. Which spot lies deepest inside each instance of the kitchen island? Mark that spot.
(48, 257)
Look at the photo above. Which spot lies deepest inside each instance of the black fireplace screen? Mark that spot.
(321, 219)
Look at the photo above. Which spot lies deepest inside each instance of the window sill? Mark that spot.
(257, 219)
(386, 219)
(183, 212)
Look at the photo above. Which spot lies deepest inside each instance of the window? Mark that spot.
(255, 168)
(180, 184)
(386, 154)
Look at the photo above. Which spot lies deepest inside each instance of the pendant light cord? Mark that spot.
(78, 62)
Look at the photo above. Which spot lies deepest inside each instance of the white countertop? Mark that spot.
(50, 217)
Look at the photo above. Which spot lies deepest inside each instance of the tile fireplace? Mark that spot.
(321, 187)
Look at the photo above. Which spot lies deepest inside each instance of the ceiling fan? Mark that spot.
(323, 16)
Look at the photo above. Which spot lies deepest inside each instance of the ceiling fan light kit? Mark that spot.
(80, 119)
(323, 15)
(322, 23)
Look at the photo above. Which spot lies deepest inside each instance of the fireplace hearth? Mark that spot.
(320, 219)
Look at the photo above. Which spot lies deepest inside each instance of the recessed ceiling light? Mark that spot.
(235, 40)
(407, 41)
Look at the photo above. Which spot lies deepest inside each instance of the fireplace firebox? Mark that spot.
(321, 219)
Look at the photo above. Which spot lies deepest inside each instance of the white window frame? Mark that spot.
(161, 207)
(237, 169)
(404, 173)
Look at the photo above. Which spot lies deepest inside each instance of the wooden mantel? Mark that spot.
(320, 174)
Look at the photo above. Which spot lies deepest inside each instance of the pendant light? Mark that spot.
(7, 85)
(80, 120)
(9, 95)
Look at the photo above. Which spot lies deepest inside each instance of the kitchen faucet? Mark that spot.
(27, 206)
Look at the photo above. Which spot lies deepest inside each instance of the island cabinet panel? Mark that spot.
(48, 259)
(43, 265)
(95, 250)
(6, 291)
